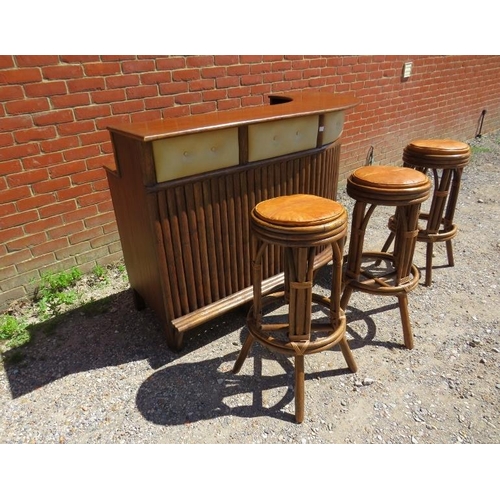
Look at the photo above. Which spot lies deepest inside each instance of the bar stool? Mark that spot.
(384, 273)
(446, 159)
(299, 225)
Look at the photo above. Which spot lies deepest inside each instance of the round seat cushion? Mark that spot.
(298, 210)
(388, 177)
(388, 185)
(438, 147)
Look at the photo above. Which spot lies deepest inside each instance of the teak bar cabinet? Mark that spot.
(183, 189)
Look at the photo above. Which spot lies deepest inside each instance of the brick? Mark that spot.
(18, 219)
(25, 75)
(6, 62)
(101, 68)
(78, 58)
(27, 106)
(49, 247)
(170, 63)
(6, 140)
(206, 107)
(11, 167)
(103, 240)
(226, 60)
(99, 220)
(51, 185)
(108, 96)
(164, 101)
(13, 233)
(59, 144)
(101, 185)
(146, 115)
(90, 257)
(213, 72)
(156, 77)
(142, 91)
(104, 123)
(80, 214)
(62, 72)
(20, 151)
(14, 258)
(45, 89)
(44, 160)
(199, 61)
(127, 107)
(11, 93)
(20, 280)
(35, 201)
(14, 123)
(111, 227)
(85, 235)
(122, 81)
(88, 176)
(36, 60)
(70, 100)
(36, 263)
(72, 250)
(66, 168)
(92, 199)
(7, 272)
(94, 137)
(173, 88)
(138, 66)
(80, 153)
(201, 85)
(54, 117)
(57, 208)
(86, 84)
(227, 81)
(65, 230)
(75, 128)
(185, 75)
(74, 192)
(214, 95)
(25, 242)
(42, 225)
(93, 111)
(27, 178)
(99, 161)
(7, 209)
(34, 134)
(176, 112)
(239, 69)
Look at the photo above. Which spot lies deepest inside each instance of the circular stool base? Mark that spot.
(274, 335)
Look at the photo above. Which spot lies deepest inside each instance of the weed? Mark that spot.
(480, 149)
(13, 330)
(101, 273)
(52, 292)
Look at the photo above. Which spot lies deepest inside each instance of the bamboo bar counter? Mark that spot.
(183, 189)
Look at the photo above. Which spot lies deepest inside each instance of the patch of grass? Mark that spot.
(53, 291)
(480, 149)
(14, 331)
(101, 274)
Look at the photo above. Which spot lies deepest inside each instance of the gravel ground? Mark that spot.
(105, 375)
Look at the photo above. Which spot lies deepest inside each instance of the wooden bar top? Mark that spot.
(285, 105)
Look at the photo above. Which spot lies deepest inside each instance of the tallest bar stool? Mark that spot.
(384, 273)
(299, 225)
(445, 160)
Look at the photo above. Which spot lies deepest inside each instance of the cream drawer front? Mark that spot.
(187, 155)
(280, 137)
(333, 126)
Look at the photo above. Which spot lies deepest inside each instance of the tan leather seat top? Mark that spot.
(298, 210)
(388, 176)
(439, 146)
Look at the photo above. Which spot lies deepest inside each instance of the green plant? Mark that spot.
(480, 149)
(52, 292)
(13, 330)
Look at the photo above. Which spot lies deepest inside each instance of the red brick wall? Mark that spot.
(55, 208)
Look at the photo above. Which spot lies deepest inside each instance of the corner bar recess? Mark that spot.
(183, 190)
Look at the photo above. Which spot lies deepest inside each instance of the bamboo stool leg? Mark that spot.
(299, 389)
